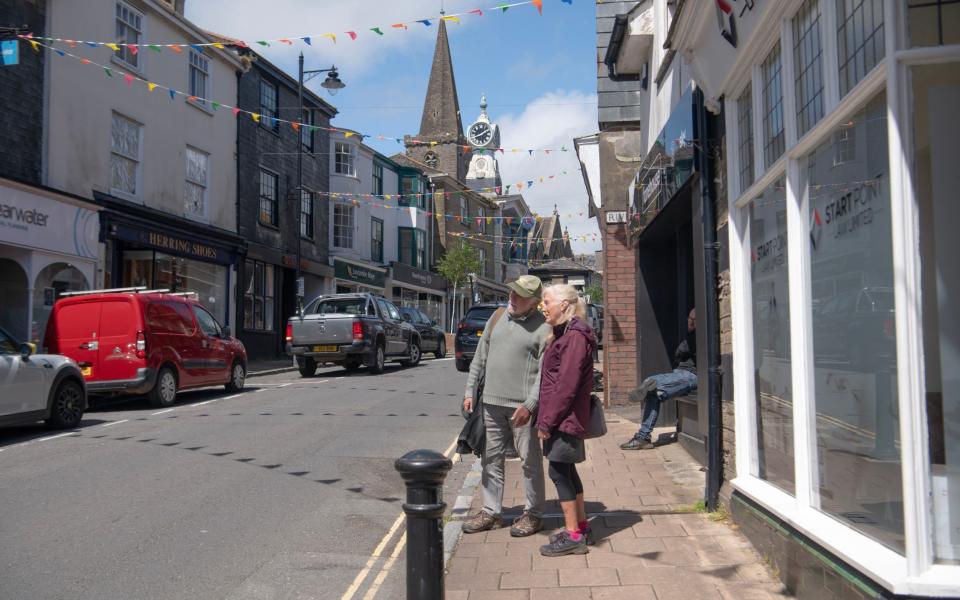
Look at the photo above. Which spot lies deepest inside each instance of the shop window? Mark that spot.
(377, 179)
(306, 214)
(207, 280)
(343, 225)
(269, 108)
(344, 159)
(854, 338)
(129, 29)
(933, 22)
(258, 296)
(808, 65)
(376, 240)
(125, 143)
(771, 337)
(412, 248)
(860, 42)
(269, 191)
(195, 188)
(52, 281)
(199, 76)
(773, 133)
(745, 129)
(936, 94)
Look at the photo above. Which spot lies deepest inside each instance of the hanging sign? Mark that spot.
(9, 53)
(616, 216)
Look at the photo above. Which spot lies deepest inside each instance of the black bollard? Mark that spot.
(424, 471)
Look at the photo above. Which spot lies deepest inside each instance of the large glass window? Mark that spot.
(860, 43)
(269, 192)
(258, 296)
(125, 144)
(936, 94)
(342, 225)
(269, 106)
(207, 280)
(808, 65)
(745, 129)
(771, 335)
(377, 179)
(199, 76)
(129, 28)
(412, 247)
(854, 343)
(933, 22)
(343, 159)
(195, 187)
(307, 136)
(773, 133)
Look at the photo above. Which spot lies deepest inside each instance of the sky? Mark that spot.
(538, 73)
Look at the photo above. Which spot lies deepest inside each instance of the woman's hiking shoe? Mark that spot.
(482, 521)
(562, 544)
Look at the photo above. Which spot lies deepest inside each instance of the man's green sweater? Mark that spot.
(512, 362)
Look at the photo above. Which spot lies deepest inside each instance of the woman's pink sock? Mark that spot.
(582, 526)
(574, 535)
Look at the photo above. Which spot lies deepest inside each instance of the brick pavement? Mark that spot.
(651, 544)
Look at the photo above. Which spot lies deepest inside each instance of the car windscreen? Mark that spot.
(349, 306)
(480, 313)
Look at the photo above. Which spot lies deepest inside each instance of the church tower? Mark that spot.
(440, 143)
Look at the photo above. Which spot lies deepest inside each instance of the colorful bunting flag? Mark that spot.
(151, 86)
(376, 30)
(352, 34)
(307, 40)
(539, 5)
(173, 94)
(113, 47)
(108, 71)
(426, 22)
(332, 36)
(128, 78)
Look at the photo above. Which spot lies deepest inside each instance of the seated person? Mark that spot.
(663, 386)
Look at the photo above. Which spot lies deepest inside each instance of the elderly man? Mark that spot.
(509, 359)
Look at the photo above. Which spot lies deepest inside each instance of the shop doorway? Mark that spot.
(52, 281)
(13, 298)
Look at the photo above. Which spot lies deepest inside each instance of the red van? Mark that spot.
(137, 341)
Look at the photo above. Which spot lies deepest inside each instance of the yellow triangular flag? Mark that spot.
(255, 116)
(332, 36)
(113, 47)
(218, 45)
(151, 86)
(451, 18)
(347, 134)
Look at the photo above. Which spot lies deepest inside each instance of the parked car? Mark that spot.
(136, 341)
(595, 320)
(351, 330)
(432, 337)
(470, 330)
(858, 328)
(39, 387)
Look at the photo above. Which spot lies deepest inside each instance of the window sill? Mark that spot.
(268, 225)
(125, 196)
(311, 240)
(268, 128)
(197, 218)
(127, 67)
(346, 176)
(201, 106)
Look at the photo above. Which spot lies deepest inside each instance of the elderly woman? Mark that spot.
(566, 381)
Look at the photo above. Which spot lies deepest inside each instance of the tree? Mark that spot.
(456, 265)
(595, 292)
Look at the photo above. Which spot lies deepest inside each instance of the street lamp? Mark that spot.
(333, 85)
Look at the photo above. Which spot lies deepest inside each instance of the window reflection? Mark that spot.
(854, 340)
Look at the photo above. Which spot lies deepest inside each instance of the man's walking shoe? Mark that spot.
(637, 443)
(562, 544)
(526, 525)
(636, 396)
(482, 521)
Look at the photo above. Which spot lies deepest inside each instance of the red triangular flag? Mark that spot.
(352, 34)
(539, 5)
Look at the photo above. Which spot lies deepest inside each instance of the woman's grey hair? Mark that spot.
(576, 307)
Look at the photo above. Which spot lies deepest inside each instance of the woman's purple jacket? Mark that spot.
(566, 379)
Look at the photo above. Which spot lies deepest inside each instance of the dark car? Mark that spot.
(470, 330)
(432, 338)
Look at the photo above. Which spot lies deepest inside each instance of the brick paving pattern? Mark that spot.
(651, 543)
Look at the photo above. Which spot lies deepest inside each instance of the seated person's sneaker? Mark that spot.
(526, 525)
(563, 544)
(482, 521)
(637, 443)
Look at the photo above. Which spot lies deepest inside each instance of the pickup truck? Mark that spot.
(351, 330)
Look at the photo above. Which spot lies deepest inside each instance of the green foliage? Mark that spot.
(458, 262)
(595, 291)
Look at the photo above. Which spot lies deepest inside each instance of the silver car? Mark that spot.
(39, 387)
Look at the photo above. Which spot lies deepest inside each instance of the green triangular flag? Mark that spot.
(264, 43)
(376, 30)
(215, 105)
(108, 71)
(154, 47)
(503, 7)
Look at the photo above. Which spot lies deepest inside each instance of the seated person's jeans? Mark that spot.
(669, 385)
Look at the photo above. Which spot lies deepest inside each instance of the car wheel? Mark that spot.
(164, 392)
(441, 348)
(415, 355)
(307, 366)
(238, 375)
(67, 409)
(462, 365)
(379, 359)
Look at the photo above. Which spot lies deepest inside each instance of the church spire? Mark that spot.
(441, 109)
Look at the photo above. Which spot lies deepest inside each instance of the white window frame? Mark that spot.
(117, 57)
(138, 179)
(197, 61)
(308, 220)
(202, 184)
(345, 149)
(351, 226)
(914, 572)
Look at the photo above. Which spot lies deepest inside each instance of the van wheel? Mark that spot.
(414, 359)
(238, 375)
(307, 366)
(379, 359)
(441, 348)
(164, 392)
(67, 409)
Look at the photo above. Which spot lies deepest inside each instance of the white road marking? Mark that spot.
(114, 423)
(378, 553)
(339, 378)
(160, 412)
(231, 397)
(59, 435)
(202, 403)
(286, 384)
(439, 360)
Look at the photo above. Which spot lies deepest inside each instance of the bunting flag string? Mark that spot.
(116, 46)
(131, 78)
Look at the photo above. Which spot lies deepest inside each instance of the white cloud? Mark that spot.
(551, 121)
(252, 20)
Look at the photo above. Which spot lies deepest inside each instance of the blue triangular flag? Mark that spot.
(173, 94)
(197, 48)
(530, 183)
(425, 22)
(307, 41)
(60, 52)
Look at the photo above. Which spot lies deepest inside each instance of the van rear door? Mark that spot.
(119, 324)
(77, 335)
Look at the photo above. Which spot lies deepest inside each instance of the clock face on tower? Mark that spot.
(480, 133)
